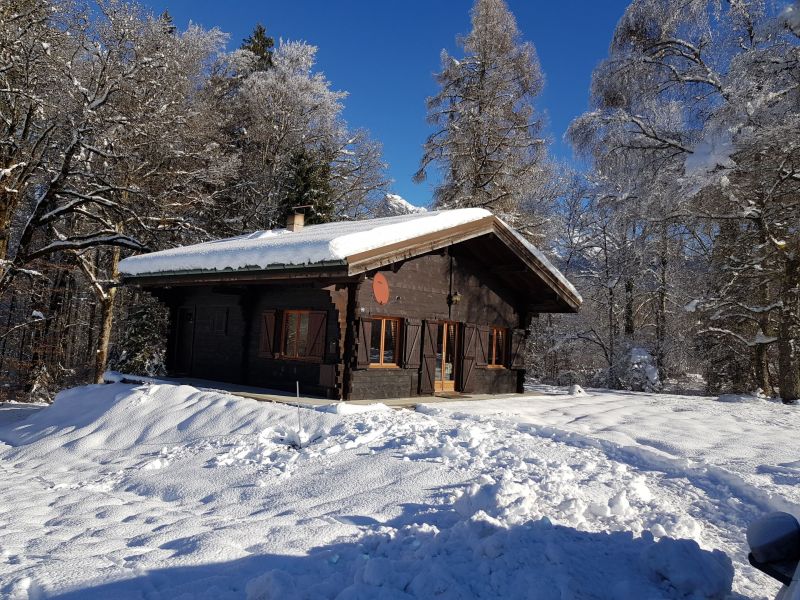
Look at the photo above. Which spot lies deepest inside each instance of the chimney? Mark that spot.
(295, 221)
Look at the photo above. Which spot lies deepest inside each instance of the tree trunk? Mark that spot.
(6, 333)
(764, 295)
(629, 324)
(612, 380)
(789, 333)
(104, 337)
(761, 365)
(6, 207)
(661, 312)
(106, 321)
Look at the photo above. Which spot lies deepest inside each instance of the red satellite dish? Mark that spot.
(380, 288)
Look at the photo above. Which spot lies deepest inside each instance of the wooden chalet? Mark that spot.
(401, 306)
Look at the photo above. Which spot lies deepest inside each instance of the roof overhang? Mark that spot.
(334, 269)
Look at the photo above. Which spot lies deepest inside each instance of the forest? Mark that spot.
(123, 134)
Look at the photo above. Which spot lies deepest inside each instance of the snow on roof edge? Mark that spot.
(329, 244)
(313, 245)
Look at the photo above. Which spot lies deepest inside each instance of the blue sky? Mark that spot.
(384, 53)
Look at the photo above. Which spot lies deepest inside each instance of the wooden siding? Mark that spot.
(314, 376)
(228, 320)
(227, 336)
(217, 333)
(419, 290)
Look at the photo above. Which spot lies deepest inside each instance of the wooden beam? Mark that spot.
(384, 255)
(569, 298)
(237, 277)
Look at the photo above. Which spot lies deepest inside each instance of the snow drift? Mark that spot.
(159, 490)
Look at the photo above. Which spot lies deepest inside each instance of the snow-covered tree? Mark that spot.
(261, 45)
(289, 111)
(486, 145)
(695, 113)
(120, 134)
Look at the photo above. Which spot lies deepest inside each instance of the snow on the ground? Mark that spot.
(736, 437)
(163, 491)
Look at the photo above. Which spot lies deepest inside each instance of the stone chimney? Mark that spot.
(295, 221)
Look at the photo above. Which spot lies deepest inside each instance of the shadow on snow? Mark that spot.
(475, 557)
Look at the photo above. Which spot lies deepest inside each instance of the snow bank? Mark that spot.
(756, 396)
(120, 491)
(576, 390)
(481, 558)
(345, 408)
(689, 572)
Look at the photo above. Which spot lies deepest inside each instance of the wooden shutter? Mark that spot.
(469, 348)
(427, 375)
(364, 328)
(482, 347)
(266, 346)
(411, 344)
(315, 346)
(516, 356)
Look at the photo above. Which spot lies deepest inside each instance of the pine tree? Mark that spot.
(309, 185)
(486, 144)
(262, 45)
(142, 350)
(168, 23)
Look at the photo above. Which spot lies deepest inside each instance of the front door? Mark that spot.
(446, 344)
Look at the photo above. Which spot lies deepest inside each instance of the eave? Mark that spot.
(334, 269)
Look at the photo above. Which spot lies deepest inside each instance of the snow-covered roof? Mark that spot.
(330, 244)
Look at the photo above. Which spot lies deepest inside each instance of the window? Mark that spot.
(303, 334)
(497, 347)
(384, 343)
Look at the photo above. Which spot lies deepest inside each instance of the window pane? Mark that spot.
(290, 335)
(375, 342)
(500, 352)
(390, 341)
(302, 335)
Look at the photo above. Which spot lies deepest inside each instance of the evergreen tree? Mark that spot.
(143, 348)
(309, 185)
(262, 45)
(168, 23)
(486, 144)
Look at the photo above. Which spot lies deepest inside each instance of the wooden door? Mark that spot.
(427, 375)
(439, 357)
(446, 348)
(184, 340)
(469, 350)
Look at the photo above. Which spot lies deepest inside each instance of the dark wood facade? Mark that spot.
(475, 295)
